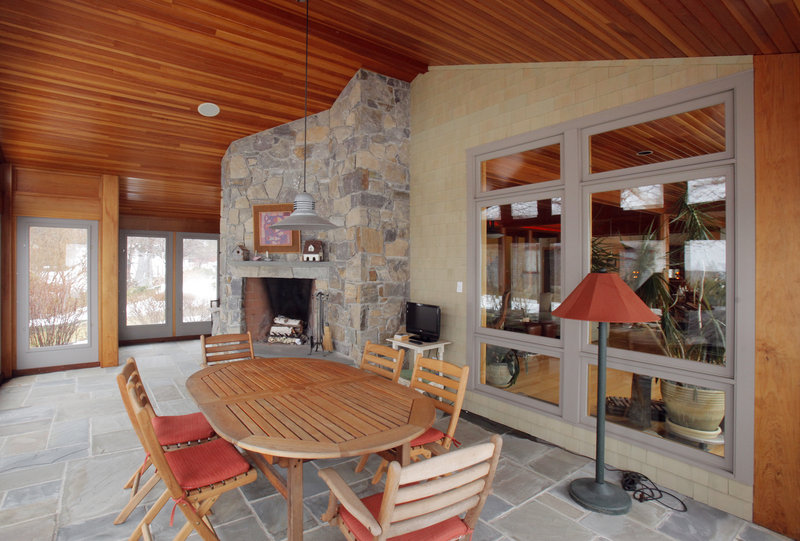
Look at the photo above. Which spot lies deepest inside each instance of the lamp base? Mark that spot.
(600, 497)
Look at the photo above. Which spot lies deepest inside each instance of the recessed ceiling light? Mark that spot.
(208, 109)
(644, 152)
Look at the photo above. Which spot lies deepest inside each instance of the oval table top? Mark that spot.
(308, 408)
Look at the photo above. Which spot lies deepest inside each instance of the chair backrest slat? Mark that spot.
(442, 487)
(227, 347)
(418, 491)
(382, 360)
(446, 383)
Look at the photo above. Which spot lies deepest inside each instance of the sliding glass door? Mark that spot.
(196, 282)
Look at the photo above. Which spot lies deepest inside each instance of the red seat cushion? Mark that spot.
(452, 528)
(173, 429)
(431, 435)
(205, 464)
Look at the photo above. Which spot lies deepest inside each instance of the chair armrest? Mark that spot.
(348, 498)
(436, 449)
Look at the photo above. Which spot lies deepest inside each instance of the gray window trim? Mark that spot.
(738, 378)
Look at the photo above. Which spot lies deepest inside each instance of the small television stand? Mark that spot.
(421, 347)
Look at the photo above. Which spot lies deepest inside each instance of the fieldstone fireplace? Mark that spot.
(357, 172)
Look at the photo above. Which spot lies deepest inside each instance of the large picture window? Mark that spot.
(659, 192)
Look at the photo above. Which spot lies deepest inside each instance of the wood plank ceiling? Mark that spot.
(112, 86)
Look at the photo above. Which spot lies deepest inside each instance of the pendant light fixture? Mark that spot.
(304, 217)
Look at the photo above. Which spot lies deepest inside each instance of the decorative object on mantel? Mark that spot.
(240, 253)
(312, 250)
(266, 237)
(260, 257)
(605, 298)
(304, 217)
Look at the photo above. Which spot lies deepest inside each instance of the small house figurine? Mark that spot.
(312, 250)
(241, 253)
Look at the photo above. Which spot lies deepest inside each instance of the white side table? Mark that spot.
(420, 348)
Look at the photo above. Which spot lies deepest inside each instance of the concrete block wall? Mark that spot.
(456, 108)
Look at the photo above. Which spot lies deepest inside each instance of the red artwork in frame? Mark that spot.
(266, 239)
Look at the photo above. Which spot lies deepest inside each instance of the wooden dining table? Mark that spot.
(284, 411)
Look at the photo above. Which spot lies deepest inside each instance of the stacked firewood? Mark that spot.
(285, 330)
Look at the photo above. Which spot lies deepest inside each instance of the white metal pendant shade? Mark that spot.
(304, 217)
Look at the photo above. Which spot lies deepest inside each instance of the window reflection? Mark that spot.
(521, 253)
(685, 135)
(689, 414)
(522, 169)
(527, 373)
(674, 258)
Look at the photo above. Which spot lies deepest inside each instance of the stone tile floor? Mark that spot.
(66, 449)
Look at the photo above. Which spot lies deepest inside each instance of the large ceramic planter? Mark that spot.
(498, 374)
(697, 409)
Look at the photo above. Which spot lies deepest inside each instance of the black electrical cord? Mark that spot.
(642, 489)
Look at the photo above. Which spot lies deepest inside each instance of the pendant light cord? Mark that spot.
(305, 107)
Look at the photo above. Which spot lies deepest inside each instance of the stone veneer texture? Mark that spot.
(357, 172)
(457, 108)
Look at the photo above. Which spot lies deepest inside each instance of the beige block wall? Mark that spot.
(456, 108)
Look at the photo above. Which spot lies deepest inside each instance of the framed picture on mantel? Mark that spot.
(266, 239)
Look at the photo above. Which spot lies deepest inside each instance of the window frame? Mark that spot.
(576, 186)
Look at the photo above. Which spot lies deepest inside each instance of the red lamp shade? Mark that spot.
(604, 297)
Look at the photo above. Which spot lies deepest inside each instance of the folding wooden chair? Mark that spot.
(382, 360)
(172, 432)
(227, 347)
(421, 502)
(195, 476)
(385, 362)
(446, 383)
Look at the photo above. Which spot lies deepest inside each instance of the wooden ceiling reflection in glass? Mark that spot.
(685, 135)
(522, 168)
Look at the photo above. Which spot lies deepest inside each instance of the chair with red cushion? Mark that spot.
(421, 502)
(446, 383)
(172, 432)
(195, 476)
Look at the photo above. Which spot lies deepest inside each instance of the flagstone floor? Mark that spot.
(67, 448)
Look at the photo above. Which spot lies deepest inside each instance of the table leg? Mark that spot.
(440, 350)
(405, 454)
(294, 503)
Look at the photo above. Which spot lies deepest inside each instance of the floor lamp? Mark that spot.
(605, 298)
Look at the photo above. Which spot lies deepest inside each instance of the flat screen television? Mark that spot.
(423, 320)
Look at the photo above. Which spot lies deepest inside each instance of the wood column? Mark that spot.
(7, 279)
(776, 489)
(109, 272)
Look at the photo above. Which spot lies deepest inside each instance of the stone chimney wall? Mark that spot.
(357, 172)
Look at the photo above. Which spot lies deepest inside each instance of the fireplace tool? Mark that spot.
(315, 340)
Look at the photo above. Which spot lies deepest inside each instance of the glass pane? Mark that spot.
(688, 414)
(521, 169)
(522, 372)
(199, 278)
(694, 133)
(521, 255)
(146, 269)
(674, 257)
(58, 282)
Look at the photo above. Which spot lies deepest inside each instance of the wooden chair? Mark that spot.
(172, 432)
(422, 501)
(227, 347)
(382, 360)
(446, 383)
(195, 476)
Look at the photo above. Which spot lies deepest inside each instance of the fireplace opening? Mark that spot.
(278, 309)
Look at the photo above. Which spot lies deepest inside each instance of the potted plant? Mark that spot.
(502, 366)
